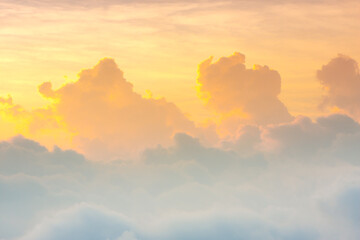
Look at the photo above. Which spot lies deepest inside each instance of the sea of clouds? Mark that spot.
(310, 189)
(277, 177)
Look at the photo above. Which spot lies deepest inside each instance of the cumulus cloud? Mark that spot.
(99, 113)
(102, 117)
(102, 108)
(229, 87)
(341, 81)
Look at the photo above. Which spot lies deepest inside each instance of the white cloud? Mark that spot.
(127, 236)
(80, 222)
(189, 191)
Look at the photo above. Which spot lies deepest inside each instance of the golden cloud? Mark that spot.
(98, 114)
(235, 91)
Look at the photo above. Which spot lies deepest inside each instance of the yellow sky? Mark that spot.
(159, 45)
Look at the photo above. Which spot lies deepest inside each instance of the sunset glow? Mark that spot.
(179, 120)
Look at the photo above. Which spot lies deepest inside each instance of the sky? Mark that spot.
(53, 41)
(205, 119)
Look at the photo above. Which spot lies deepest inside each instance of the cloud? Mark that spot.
(84, 221)
(102, 117)
(102, 108)
(245, 141)
(225, 225)
(127, 236)
(34, 181)
(341, 81)
(303, 137)
(22, 199)
(347, 147)
(230, 88)
(200, 162)
(99, 115)
(21, 155)
(184, 191)
(266, 181)
(343, 209)
(81, 222)
(348, 204)
(7, 100)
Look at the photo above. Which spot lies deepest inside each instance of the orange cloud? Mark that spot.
(98, 114)
(251, 95)
(341, 81)
(101, 108)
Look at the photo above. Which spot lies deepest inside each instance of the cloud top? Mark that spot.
(229, 86)
(341, 81)
(100, 115)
